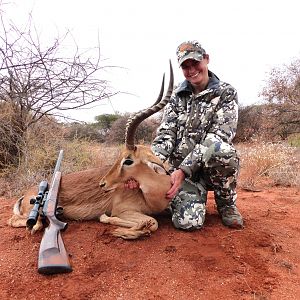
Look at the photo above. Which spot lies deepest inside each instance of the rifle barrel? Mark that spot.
(33, 215)
(58, 163)
(53, 257)
(38, 203)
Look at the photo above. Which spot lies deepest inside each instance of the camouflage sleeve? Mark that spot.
(163, 144)
(222, 130)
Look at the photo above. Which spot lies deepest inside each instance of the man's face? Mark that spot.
(196, 72)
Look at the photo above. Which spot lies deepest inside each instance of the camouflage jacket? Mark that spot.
(194, 125)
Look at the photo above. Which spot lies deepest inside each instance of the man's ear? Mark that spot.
(206, 56)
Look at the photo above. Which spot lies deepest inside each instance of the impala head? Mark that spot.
(139, 164)
(136, 161)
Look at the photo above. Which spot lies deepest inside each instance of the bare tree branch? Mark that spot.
(40, 80)
(282, 92)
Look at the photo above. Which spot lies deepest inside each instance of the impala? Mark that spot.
(100, 193)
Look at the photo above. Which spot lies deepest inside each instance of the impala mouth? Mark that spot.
(136, 186)
(107, 190)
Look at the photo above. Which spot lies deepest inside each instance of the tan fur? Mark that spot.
(83, 199)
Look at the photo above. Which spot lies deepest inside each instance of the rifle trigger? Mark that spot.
(59, 210)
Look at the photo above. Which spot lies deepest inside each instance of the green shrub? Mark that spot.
(294, 140)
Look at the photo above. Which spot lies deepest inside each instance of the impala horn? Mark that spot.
(142, 115)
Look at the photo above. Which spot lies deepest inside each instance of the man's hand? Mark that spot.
(177, 177)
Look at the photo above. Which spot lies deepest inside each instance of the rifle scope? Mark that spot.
(38, 202)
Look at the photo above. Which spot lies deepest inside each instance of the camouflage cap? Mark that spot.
(189, 50)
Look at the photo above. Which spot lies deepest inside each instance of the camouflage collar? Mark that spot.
(186, 87)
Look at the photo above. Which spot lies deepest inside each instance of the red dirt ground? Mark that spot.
(259, 262)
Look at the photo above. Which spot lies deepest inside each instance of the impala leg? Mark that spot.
(137, 223)
(116, 221)
(17, 221)
(38, 226)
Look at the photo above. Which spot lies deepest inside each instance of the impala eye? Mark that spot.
(128, 162)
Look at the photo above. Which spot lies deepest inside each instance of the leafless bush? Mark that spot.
(282, 91)
(88, 132)
(10, 136)
(250, 123)
(144, 133)
(39, 81)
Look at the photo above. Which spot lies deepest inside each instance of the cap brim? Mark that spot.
(192, 55)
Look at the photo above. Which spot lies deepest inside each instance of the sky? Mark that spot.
(245, 40)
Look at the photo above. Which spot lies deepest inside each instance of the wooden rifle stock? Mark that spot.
(53, 257)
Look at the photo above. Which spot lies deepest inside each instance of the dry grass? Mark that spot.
(278, 164)
(40, 162)
(80, 155)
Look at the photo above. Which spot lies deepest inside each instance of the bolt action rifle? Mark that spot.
(53, 257)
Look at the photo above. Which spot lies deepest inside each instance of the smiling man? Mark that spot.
(196, 139)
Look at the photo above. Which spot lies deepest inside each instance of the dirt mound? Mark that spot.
(259, 262)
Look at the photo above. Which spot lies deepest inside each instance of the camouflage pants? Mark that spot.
(219, 174)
